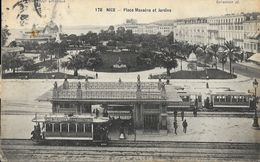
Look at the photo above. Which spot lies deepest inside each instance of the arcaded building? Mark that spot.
(148, 104)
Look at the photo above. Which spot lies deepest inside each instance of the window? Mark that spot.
(88, 128)
(80, 127)
(56, 127)
(228, 98)
(72, 127)
(48, 127)
(64, 127)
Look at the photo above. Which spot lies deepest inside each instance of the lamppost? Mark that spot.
(255, 124)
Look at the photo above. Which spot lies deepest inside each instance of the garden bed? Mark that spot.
(205, 74)
(33, 75)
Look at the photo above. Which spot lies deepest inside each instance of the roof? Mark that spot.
(255, 57)
(110, 91)
(231, 93)
(67, 118)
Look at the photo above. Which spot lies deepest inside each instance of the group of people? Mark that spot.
(184, 123)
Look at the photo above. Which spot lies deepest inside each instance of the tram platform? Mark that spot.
(199, 129)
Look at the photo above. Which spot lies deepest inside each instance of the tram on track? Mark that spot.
(230, 100)
(71, 128)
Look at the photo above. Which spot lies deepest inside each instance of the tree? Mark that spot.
(222, 59)
(167, 61)
(4, 35)
(214, 48)
(231, 52)
(12, 61)
(75, 63)
(28, 65)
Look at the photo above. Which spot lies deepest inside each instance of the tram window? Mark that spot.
(228, 98)
(222, 98)
(80, 127)
(64, 127)
(233, 99)
(88, 128)
(56, 127)
(48, 127)
(72, 127)
(216, 99)
(240, 99)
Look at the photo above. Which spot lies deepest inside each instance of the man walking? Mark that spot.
(175, 125)
(184, 124)
(182, 115)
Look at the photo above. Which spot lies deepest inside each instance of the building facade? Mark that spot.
(243, 29)
(148, 104)
(193, 31)
(50, 32)
(150, 28)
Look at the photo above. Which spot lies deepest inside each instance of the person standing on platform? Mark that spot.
(185, 125)
(175, 125)
(182, 115)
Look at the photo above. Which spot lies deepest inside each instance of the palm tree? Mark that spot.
(222, 57)
(230, 50)
(214, 49)
(75, 63)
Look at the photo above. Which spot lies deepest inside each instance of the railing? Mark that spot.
(107, 94)
(113, 85)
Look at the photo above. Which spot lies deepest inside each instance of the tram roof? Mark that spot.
(65, 118)
(230, 93)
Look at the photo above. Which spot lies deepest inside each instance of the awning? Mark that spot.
(255, 57)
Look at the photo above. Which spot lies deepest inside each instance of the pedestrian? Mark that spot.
(175, 125)
(97, 112)
(96, 75)
(182, 115)
(175, 114)
(184, 124)
(194, 112)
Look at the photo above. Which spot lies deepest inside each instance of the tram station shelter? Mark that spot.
(147, 103)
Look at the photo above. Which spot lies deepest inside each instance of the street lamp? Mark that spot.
(255, 124)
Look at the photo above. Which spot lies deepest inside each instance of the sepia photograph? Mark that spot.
(130, 80)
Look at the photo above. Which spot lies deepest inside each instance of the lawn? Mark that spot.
(211, 73)
(32, 75)
(128, 58)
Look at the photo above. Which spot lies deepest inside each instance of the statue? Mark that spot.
(66, 83)
(79, 85)
(55, 85)
(138, 78)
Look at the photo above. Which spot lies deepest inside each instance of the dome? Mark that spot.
(192, 57)
(51, 27)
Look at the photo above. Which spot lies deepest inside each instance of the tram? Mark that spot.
(230, 100)
(71, 128)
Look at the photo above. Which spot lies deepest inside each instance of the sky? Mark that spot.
(84, 12)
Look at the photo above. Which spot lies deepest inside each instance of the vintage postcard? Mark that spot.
(130, 80)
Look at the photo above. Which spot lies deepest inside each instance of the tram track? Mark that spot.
(130, 150)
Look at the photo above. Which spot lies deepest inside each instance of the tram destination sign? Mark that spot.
(68, 119)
